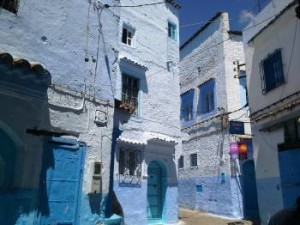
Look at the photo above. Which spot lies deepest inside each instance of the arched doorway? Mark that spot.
(156, 190)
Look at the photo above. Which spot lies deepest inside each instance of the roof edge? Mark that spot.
(201, 30)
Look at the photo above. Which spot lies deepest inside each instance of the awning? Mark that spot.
(145, 137)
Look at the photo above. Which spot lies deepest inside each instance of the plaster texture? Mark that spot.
(76, 42)
(153, 59)
(213, 185)
(282, 33)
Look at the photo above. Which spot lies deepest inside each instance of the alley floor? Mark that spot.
(188, 217)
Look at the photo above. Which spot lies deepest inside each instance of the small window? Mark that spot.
(129, 162)
(181, 162)
(172, 31)
(10, 5)
(207, 97)
(127, 35)
(187, 106)
(130, 93)
(193, 159)
(272, 71)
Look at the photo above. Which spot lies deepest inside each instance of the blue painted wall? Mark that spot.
(217, 196)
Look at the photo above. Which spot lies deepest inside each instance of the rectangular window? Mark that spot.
(130, 93)
(193, 159)
(172, 31)
(127, 36)
(181, 162)
(272, 71)
(129, 166)
(207, 97)
(187, 106)
(10, 5)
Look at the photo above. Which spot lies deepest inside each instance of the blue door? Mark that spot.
(290, 175)
(250, 190)
(61, 182)
(154, 191)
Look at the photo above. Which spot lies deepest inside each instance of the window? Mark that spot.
(193, 159)
(272, 71)
(10, 5)
(130, 93)
(127, 35)
(129, 166)
(207, 97)
(180, 162)
(172, 30)
(187, 106)
(291, 131)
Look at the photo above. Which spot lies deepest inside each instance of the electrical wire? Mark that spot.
(230, 19)
(133, 6)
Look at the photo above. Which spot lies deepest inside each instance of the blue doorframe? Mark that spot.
(156, 190)
(61, 181)
(290, 175)
(250, 190)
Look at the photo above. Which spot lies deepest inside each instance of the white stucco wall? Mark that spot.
(213, 50)
(158, 104)
(282, 34)
(76, 42)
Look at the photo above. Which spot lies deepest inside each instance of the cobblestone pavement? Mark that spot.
(188, 217)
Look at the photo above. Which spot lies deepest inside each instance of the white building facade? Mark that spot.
(146, 122)
(272, 51)
(57, 79)
(213, 104)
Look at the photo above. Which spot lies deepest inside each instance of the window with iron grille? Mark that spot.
(127, 35)
(129, 164)
(272, 71)
(181, 162)
(193, 159)
(10, 5)
(207, 97)
(172, 31)
(187, 106)
(130, 92)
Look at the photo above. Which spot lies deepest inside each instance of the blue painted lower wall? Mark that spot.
(21, 207)
(18, 206)
(211, 194)
(133, 201)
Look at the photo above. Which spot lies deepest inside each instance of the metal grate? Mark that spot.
(271, 71)
(10, 5)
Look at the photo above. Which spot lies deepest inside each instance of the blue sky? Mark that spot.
(194, 13)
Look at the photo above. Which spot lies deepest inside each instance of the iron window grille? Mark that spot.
(130, 92)
(172, 30)
(127, 36)
(271, 69)
(193, 159)
(181, 162)
(130, 167)
(10, 5)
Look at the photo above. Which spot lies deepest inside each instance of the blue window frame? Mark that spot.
(172, 31)
(272, 71)
(187, 106)
(207, 97)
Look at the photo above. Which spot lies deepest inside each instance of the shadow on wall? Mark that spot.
(24, 108)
